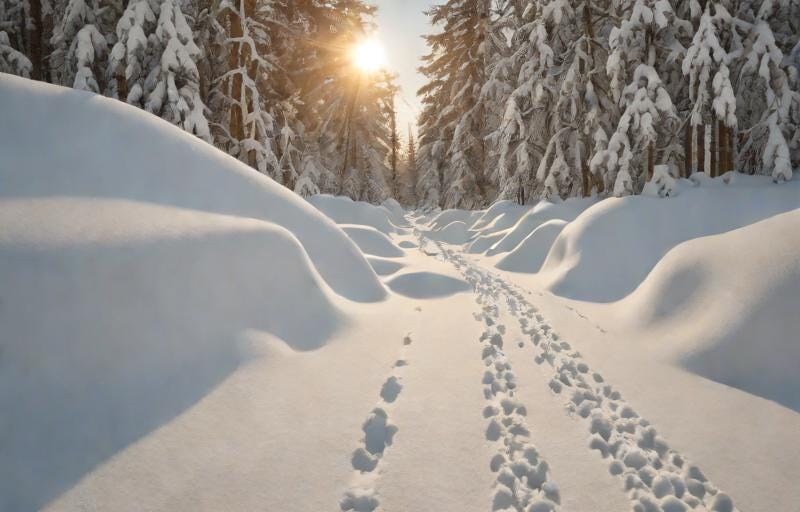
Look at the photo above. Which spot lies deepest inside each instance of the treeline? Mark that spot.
(270, 82)
(533, 99)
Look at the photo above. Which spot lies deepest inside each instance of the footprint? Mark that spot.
(359, 500)
(391, 389)
(378, 431)
(363, 460)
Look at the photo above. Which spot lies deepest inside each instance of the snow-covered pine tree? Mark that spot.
(249, 133)
(81, 42)
(13, 58)
(713, 111)
(584, 112)
(452, 127)
(173, 86)
(407, 195)
(133, 57)
(768, 101)
(632, 149)
(524, 131)
(645, 131)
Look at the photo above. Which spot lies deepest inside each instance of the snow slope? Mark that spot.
(607, 251)
(122, 153)
(729, 318)
(136, 262)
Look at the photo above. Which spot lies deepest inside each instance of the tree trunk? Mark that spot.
(701, 148)
(35, 38)
(724, 148)
(713, 147)
(651, 160)
(687, 151)
(236, 127)
(395, 142)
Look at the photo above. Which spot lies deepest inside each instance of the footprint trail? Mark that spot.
(656, 477)
(379, 432)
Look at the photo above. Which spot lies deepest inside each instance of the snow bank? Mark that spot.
(727, 305)
(607, 251)
(371, 241)
(542, 212)
(453, 233)
(134, 260)
(61, 142)
(344, 210)
(500, 215)
(529, 255)
(445, 217)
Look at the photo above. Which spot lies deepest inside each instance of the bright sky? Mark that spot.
(401, 24)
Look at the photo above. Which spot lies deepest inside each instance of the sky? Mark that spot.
(401, 25)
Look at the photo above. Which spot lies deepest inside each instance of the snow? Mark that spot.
(606, 252)
(153, 163)
(137, 262)
(180, 333)
(371, 241)
(344, 210)
(426, 285)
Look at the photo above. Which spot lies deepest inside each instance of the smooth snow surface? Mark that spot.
(101, 148)
(371, 241)
(426, 285)
(529, 255)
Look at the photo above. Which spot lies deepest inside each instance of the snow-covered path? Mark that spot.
(653, 475)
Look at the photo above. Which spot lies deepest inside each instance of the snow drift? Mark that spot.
(124, 153)
(607, 251)
(134, 259)
(529, 255)
(727, 304)
(387, 218)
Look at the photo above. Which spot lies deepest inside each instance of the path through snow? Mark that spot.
(656, 477)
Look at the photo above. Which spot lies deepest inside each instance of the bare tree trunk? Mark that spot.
(714, 144)
(651, 160)
(701, 148)
(35, 38)
(234, 62)
(724, 148)
(687, 151)
(395, 142)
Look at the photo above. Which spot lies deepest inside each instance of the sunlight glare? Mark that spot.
(369, 56)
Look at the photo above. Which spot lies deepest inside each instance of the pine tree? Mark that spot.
(710, 88)
(173, 86)
(81, 44)
(13, 58)
(452, 126)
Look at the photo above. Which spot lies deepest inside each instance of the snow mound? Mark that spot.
(108, 303)
(543, 211)
(383, 266)
(608, 250)
(371, 241)
(442, 219)
(728, 305)
(427, 285)
(453, 233)
(125, 153)
(344, 210)
(135, 260)
(529, 255)
(501, 215)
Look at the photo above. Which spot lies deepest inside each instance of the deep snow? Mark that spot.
(180, 333)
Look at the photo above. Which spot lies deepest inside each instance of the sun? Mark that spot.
(369, 56)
